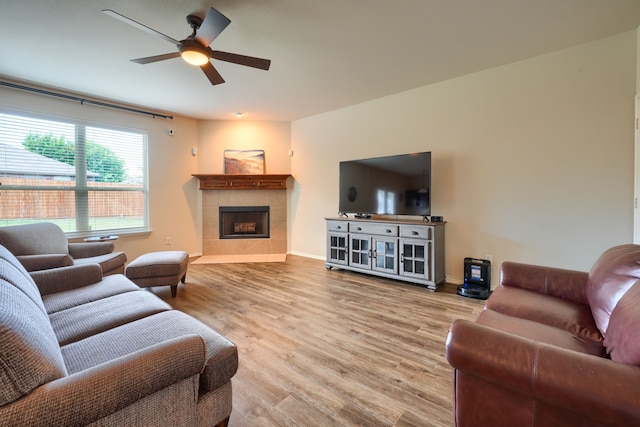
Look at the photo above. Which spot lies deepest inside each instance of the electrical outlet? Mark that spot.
(167, 240)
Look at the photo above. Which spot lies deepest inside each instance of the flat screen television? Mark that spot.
(391, 185)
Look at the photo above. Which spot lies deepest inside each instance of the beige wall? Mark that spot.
(215, 136)
(173, 201)
(636, 219)
(638, 62)
(532, 161)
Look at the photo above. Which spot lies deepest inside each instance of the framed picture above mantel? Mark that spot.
(244, 162)
(242, 182)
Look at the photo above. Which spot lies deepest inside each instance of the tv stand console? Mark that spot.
(412, 251)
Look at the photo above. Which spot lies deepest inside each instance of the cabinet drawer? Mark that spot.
(416, 232)
(338, 226)
(377, 229)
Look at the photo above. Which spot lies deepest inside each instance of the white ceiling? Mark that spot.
(326, 54)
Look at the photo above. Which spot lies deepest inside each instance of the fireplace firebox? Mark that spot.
(244, 222)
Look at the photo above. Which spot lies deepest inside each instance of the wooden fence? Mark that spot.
(51, 204)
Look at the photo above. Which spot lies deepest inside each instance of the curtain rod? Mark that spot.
(82, 101)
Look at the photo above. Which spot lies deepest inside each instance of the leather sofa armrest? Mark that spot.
(567, 284)
(596, 388)
(102, 390)
(44, 261)
(66, 278)
(90, 249)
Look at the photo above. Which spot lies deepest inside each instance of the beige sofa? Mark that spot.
(44, 245)
(78, 348)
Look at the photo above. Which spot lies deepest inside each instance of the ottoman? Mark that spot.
(165, 268)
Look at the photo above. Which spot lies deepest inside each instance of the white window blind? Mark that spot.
(87, 179)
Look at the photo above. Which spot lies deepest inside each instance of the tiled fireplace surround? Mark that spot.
(213, 199)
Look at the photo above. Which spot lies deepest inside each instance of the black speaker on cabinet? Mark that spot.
(477, 279)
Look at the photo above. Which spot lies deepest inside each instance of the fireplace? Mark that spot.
(244, 191)
(244, 222)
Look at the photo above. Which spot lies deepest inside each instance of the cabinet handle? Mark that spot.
(338, 227)
(389, 231)
(358, 228)
(414, 233)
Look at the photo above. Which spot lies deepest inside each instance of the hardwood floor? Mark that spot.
(328, 348)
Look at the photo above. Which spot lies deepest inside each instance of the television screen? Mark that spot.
(392, 185)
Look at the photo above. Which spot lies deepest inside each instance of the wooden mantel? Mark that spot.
(242, 182)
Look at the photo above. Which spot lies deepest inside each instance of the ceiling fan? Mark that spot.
(195, 48)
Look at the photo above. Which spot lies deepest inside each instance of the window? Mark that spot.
(386, 202)
(87, 179)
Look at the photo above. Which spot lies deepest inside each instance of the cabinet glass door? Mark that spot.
(415, 257)
(360, 251)
(386, 253)
(337, 249)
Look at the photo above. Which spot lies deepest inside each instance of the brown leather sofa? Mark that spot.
(552, 347)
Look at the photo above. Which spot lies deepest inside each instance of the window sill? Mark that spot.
(114, 232)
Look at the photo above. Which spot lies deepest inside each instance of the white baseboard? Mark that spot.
(307, 255)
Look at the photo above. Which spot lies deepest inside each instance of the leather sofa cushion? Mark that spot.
(570, 316)
(562, 283)
(623, 334)
(29, 352)
(539, 332)
(610, 277)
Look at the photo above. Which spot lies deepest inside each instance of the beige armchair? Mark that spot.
(43, 246)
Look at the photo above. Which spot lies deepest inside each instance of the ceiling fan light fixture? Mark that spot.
(194, 49)
(193, 53)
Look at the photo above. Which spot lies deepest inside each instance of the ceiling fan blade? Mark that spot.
(212, 74)
(249, 61)
(214, 23)
(139, 26)
(156, 58)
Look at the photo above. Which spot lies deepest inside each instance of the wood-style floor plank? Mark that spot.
(328, 348)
